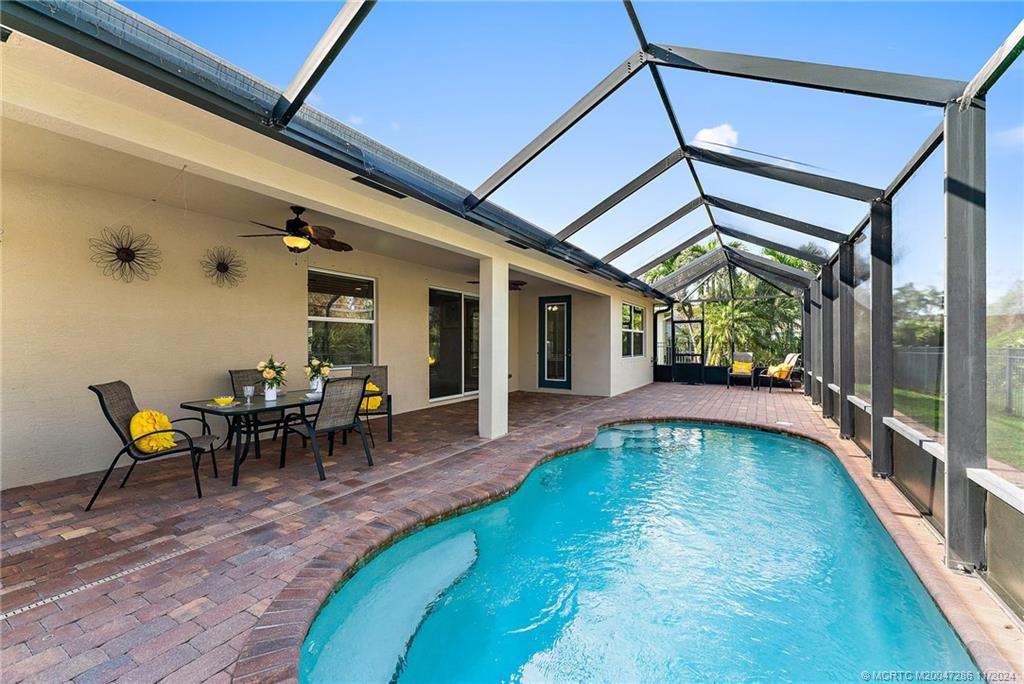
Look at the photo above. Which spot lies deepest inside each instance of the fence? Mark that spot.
(920, 369)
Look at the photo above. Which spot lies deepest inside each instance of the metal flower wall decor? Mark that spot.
(223, 266)
(124, 254)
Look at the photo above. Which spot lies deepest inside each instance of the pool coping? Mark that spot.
(272, 651)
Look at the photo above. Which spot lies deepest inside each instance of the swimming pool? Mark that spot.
(665, 552)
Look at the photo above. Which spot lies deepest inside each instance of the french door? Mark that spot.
(554, 323)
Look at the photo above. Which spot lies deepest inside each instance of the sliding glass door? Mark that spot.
(454, 340)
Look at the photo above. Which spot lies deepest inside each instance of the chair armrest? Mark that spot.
(206, 426)
(188, 438)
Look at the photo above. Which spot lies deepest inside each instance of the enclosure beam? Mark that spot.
(882, 366)
(778, 247)
(570, 118)
(330, 45)
(815, 350)
(828, 297)
(692, 271)
(685, 244)
(805, 341)
(996, 66)
(783, 174)
(846, 333)
(659, 167)
(965, 332)
(866, 82)
(776, 219)
(798, 276)
(653, 230)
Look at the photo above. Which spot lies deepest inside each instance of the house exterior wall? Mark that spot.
(172, 338)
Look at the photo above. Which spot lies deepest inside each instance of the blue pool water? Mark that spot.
(679, 552)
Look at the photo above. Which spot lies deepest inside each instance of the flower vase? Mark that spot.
(269, 393)
(316, 384)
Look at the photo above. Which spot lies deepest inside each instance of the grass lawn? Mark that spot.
(1005, 432)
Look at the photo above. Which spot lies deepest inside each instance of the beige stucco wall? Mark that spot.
(173, 338)
(590, 362)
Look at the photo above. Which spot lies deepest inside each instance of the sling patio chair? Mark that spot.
(741, 370)
(264, 421)
(118, 407)
(783, 373)
(379, 377)
(338, 411)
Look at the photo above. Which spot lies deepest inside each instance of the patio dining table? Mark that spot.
(241, 416)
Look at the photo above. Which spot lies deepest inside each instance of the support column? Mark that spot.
(845, 338)
(493, 420)
(815, 340)
(828, 297)
(965, 354)
(805, 341)
(881, 337)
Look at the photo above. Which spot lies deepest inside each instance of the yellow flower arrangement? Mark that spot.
(317, 368)
(273, 372)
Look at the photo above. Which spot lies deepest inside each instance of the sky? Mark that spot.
(462, 86)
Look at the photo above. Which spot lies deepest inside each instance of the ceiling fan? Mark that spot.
(300, 236)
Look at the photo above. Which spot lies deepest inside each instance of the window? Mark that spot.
(632, 330)
(341, 318)
(454, 340)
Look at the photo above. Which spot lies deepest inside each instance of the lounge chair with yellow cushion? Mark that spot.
(782, 373)
(742, 370)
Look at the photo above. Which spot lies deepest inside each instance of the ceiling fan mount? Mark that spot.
(298, 235)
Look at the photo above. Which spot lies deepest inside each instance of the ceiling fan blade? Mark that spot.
(260, 235)
(266, 225)
(320, 232)
(331, 243)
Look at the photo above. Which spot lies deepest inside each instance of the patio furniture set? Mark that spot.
(342, 406)
(743, 371)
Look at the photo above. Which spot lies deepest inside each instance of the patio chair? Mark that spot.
(118, 407)
(338, 411)
(784, 376)
(264, 421)
(379, 377)
(744, 374)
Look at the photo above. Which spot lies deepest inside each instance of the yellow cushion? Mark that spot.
(146, 421)
(774, 368)
(782, 371)
(741, 368)
(371, 403)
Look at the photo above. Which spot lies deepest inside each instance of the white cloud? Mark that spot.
(722, 134)
(355, 119)
(1011, 137)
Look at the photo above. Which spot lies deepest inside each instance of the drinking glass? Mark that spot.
(249, 391)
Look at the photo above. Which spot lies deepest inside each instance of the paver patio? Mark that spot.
(155, 584)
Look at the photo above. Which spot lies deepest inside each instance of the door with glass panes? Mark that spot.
(555, 352)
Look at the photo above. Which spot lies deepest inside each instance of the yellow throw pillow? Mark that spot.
(371, 403)
(782, 371)
(146, 421)
(774, 368)
(741, 368)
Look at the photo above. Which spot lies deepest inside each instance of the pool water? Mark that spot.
(668, 552)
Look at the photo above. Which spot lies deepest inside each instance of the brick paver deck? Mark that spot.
(154, 584)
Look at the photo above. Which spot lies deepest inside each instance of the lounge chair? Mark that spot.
(783, 373)
(118, 407)
(742, 370)
(338, 411)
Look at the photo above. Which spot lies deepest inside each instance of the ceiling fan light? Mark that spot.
(296, 243)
